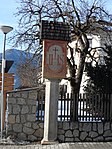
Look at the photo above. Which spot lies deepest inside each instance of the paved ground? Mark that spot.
(107, 145)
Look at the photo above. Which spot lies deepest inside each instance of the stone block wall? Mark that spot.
(22, 115)
(87, 131)
(22, 122)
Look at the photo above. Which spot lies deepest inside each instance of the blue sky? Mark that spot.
(7, 10)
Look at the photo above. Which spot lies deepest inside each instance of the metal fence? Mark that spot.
(79, 107)
(96, 107)
(40, 105)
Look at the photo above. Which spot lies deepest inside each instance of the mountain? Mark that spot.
(18, 57)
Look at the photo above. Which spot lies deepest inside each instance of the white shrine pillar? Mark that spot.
(54, 69)
(51, 111)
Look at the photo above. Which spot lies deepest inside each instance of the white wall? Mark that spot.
(95, 42)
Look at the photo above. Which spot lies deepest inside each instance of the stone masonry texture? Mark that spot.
(22, 115)
(23, 125)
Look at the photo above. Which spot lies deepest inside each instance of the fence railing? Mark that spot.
(95, 107)
(64, 106)
(79, 107)
(40, 105)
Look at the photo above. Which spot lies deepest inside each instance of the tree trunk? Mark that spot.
(76, 78)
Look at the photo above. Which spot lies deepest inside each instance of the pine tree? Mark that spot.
(100, 76)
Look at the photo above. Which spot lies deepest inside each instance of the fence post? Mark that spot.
(110, 107)
(75, 107)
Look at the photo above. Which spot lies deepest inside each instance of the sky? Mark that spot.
(7, 10)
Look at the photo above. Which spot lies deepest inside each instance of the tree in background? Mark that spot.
(29, 74)
(84, 17)
(99, 85)
(100, 76)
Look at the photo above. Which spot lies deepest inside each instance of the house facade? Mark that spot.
(97, 42)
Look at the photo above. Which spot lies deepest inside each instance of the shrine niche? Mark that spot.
(54, 60)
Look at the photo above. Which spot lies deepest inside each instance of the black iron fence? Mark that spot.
(40, 105)
(96, 107)
(79, 107)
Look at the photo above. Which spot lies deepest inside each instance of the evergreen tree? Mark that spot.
(100, 76)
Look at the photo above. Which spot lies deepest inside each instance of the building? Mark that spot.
(97, 42)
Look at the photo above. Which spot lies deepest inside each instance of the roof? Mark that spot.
(8, 65)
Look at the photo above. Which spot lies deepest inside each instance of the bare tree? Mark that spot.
(29, 74)
(84, 16)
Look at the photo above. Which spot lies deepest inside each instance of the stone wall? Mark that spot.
(22, 122)
(79, 132)
(22, 115)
